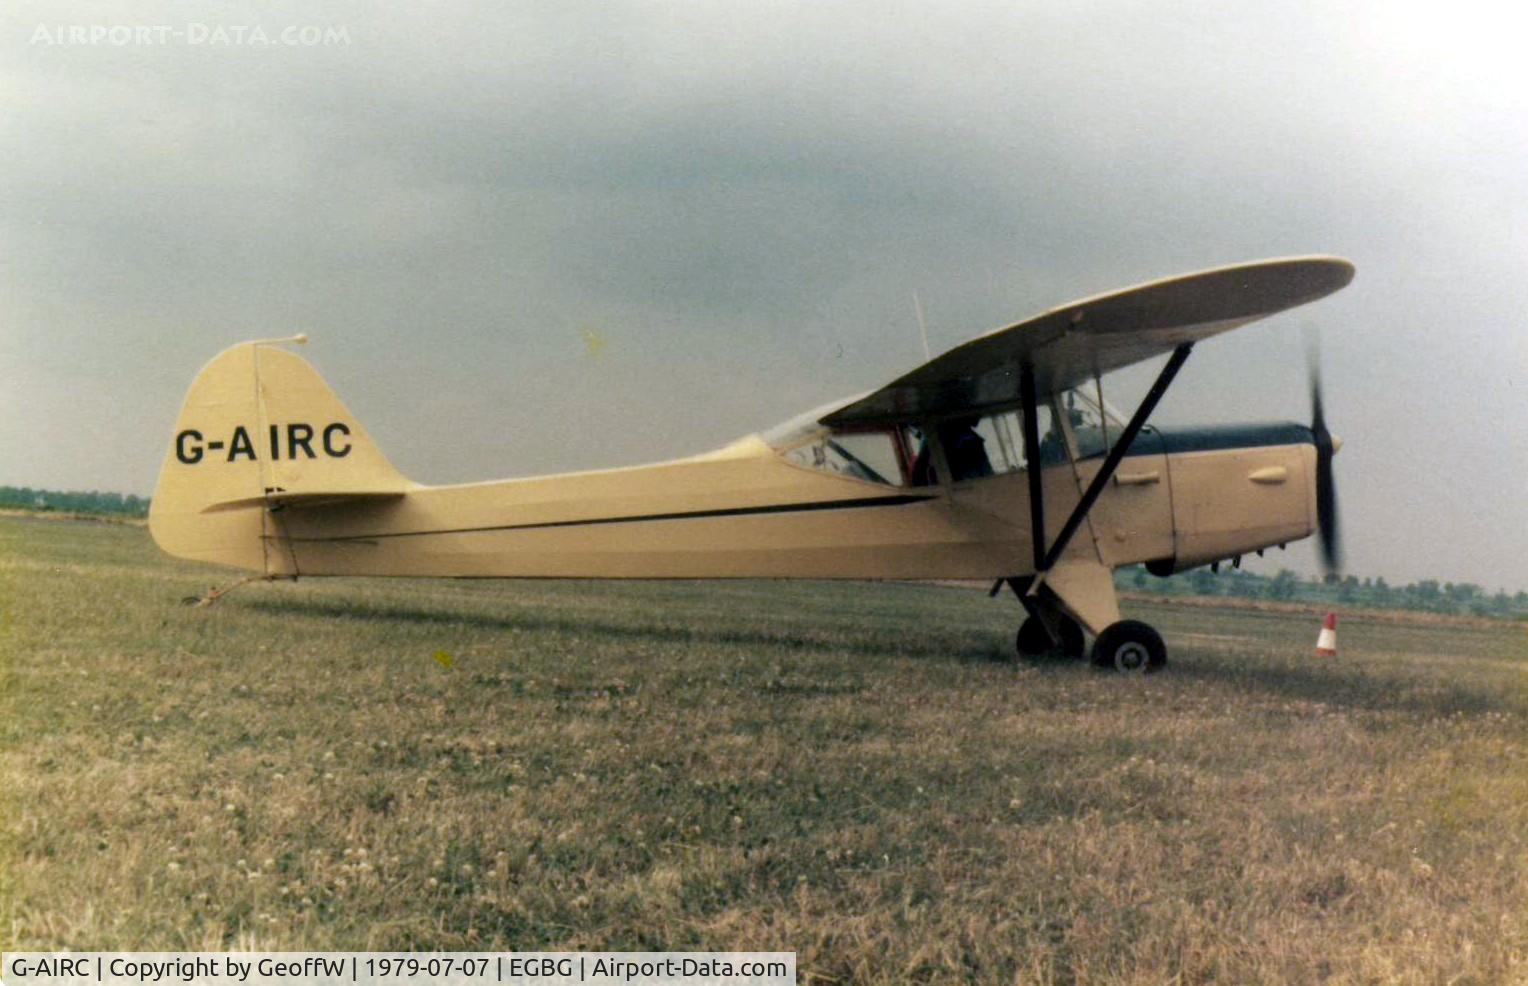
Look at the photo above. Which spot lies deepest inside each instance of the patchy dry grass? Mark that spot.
(856, 773)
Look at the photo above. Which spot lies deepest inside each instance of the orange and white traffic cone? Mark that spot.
(1326, 642)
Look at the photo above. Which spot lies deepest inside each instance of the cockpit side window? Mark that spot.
(1052, 438)
(1093, 429)
(979, 446)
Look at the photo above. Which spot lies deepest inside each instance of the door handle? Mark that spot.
(1269, 475)
(1137, 478)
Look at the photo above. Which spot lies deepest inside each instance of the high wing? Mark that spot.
(1071, 344)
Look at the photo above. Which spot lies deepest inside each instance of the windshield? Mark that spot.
(875, 456)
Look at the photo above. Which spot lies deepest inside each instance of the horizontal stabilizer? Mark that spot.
(285, 498)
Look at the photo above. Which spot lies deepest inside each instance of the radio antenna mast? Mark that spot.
(922, 327)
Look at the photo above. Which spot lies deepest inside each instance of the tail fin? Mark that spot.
(259, 430)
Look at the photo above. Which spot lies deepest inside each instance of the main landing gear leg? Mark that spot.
(1087, 590)
(1077, 596)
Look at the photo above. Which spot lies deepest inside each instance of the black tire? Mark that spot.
(1033, 641)
(1130, 647)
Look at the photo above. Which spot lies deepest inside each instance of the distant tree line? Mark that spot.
(93, 502)
(1428, 595)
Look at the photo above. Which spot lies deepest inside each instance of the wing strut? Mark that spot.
(1111, 462)
(1032, 462)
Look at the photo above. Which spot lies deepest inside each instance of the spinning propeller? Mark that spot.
(1326, 484)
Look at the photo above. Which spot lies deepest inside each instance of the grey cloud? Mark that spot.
(741, 200)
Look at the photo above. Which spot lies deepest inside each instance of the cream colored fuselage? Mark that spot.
(746, 512)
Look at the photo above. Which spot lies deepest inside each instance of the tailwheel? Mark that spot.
(1131, 647)
(1035, 642)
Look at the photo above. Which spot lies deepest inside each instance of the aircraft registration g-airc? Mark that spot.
(997, 460)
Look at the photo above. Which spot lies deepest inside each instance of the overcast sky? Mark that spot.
(739, 200)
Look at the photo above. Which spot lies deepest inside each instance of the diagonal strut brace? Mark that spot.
(1112, 461)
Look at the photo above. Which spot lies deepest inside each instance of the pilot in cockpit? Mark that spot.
(964, 449)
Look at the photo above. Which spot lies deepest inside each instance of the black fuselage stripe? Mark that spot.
(777, 508)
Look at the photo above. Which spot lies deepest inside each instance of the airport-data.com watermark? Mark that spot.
(191, 33)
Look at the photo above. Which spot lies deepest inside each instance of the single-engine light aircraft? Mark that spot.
(998, 461)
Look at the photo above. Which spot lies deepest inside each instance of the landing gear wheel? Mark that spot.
(1130, 647)
(1034, 641)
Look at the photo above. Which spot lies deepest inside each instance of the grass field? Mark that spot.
(856, 773)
